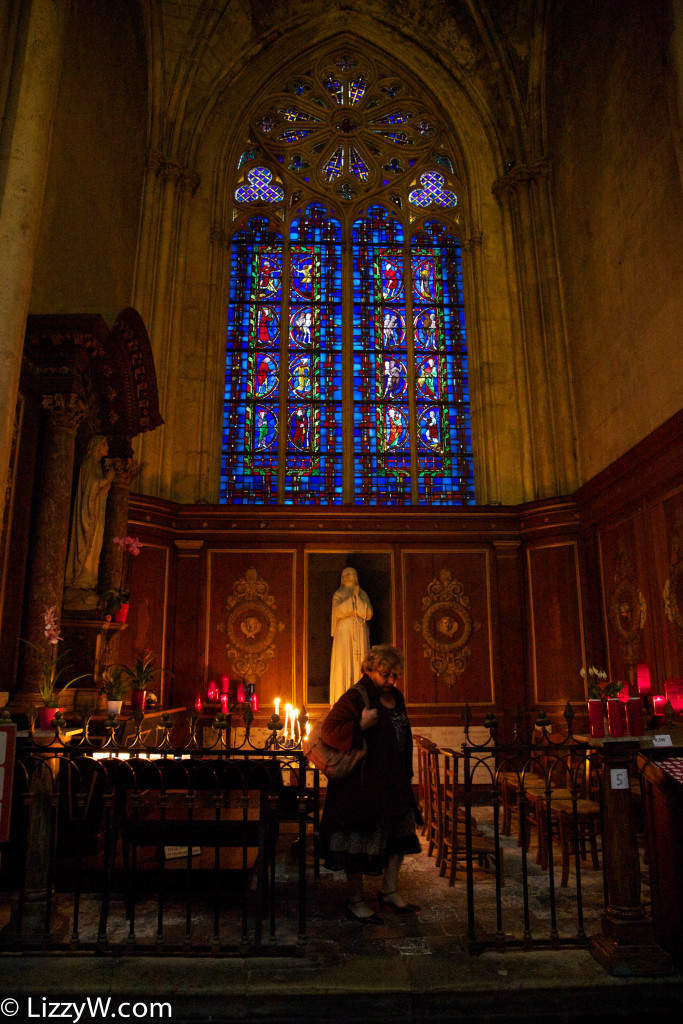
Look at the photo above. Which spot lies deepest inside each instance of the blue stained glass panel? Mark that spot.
(313, 472)
(252, 382)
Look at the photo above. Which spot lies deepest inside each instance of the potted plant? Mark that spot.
(115, 604)
(115, 687)
(52, 668)
(142, 677)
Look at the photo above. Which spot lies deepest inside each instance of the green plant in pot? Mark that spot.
(115, 685)
(142, 678)
(111, 601)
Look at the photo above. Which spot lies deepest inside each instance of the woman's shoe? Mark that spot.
(368, 919)
(385, 898)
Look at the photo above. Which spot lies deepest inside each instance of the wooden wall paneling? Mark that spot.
(666, 531)
(187, 661)
(509, 632)
(555, 623)
(322, 577)
(625, 605)
(251, 621)
(148, 626)
(447, 613)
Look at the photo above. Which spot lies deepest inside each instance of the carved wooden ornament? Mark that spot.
(627, 607)
(446, 626)
(673, 588)
(251, 626)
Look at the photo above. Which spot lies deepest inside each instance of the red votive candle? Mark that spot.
(198, 704)
(225, 703)
(254, 702)
(615, 716)
(240, 693)
(658, 703)
(643, 677)
(596, 718)
(673, 691)
(635, 716)
(212, 693)
(225, 684)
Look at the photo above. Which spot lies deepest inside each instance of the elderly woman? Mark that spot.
(369, 819)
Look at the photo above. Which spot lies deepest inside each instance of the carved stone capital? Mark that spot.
(218, 237)
(154, 161)
(519, 177)
(189, 182)
(472, 242)
(65, 411)
(125, 470)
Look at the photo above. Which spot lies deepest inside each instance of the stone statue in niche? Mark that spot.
(351, 612)
(87, 527)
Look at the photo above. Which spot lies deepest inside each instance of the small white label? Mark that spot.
(171, 852)
(662, 740)
(619, 778)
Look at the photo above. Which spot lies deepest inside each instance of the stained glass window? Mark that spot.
(346, 369)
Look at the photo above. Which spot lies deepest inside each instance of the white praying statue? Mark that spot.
(351, 612)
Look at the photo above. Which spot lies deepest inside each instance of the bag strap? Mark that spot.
(363, 692)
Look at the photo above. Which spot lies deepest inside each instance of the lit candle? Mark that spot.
(254, 701)
(240, 693)
(225, 684)
(212, 693)
(198, 704)
(277, 707)
(658, 703)
(296, 732)
(288, 719)
(308, 729)
(643, 677)
(225, 703)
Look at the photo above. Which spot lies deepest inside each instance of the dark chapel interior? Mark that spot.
(131, 133)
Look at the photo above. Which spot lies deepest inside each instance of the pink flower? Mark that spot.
(130, 544)
(52, 633)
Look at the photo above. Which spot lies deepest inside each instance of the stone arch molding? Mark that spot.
(504, 431)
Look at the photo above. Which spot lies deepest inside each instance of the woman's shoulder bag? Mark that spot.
(334, 764)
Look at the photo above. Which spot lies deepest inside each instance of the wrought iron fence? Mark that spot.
(162, 845)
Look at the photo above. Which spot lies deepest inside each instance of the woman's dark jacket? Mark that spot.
(380, 787)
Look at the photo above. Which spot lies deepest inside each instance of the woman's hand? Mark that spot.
(368, 718)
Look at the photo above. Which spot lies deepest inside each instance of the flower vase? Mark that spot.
(114, 707)
(46, 717)
(596, 717)
(122, 614)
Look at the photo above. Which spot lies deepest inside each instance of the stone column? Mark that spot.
(24, 157)
(116, 522)
(45, 582)
(523, 195)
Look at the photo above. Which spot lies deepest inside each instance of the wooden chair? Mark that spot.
(453, 818)
(575, 818)
(421, 751)
(434, 816)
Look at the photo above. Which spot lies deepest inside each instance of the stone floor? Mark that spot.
(413, 968)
